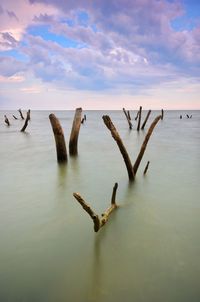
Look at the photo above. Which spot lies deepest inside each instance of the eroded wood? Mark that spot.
(73, 142)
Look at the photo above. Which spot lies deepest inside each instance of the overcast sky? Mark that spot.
(99, 54)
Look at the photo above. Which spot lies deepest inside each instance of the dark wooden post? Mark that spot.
(73, 142)
(146, 119)
(22, 117)
(146, 168)
(26, 121)
(139, 118)
(15, 117)
(117, 138)
(136, 116)
(7, 120)
(127, 114)
(162, 114)
(59, 138)
(144, 145)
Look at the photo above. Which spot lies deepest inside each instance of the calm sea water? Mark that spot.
(149, 249)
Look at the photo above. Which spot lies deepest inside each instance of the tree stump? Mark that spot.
(98, 221)
(73, 142)
(59, 138)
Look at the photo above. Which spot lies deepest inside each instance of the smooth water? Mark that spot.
(149, 249)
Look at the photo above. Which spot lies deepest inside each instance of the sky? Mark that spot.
(99, 54)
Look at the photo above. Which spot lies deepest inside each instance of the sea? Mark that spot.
(149, 249)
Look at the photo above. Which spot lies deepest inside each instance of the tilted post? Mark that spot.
(6, 120)
(144, 145)
(162, 114)
(22, 117)
(59, 138)
(146, 167)
(146, 119)
(73, 142)
(26, 121)
(15, 117)
(117, 138)
(127, 114)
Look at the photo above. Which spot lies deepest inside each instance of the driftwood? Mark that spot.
(127, 114)
(144, 145)
(59, 138)
(146, 168)
(98, 221)
(26, 121)
(15, 117)
(120, 144)
(22, 117)
(7, 120)
(162, 114)
(139, 118)
(146, 119)
(73, 142)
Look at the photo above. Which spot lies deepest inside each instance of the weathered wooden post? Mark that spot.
(162, 114)
(127, 114)
(22, 117)
(117, 138)
(26, 121)
(59, 138)
(144, 145)
(15, 117)
(146, 167)
(139, 118)
(146, 119)
(98, 221)
(73, 142)
(136, 116)
(6, 120)
(85, 117)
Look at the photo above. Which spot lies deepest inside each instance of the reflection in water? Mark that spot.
(62, 174)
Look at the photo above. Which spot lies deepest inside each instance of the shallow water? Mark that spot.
(149, 249)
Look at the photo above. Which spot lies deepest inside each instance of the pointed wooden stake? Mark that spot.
(144, 145)
(146, 168)
(59, 138)
(73, 142)
(127, 114)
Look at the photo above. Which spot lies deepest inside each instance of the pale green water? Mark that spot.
(148, 251)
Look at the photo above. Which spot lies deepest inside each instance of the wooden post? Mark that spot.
(22, 117)
(162, 114)
(129, 115)
(82, 121)
(144, 145)
(139, 116)
(85, 117)
(136, 116)
(59, 138)
(117, 138)
(146, 168)
(146, 119)
(73, 142)
(26, 121)
(15, 117)
(7, 120)
(128, 118)
(98, 222)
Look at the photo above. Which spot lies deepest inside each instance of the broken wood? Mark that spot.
(22, 117)
(7, 120)
(144, 145)
(146, 119)
(98, 221)
(73, 142)
(146, 168)
(139, 118)
(162, 114)
(15, 117)
(127, 114)
(26, 121)
(117, 138)
(59, 138)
